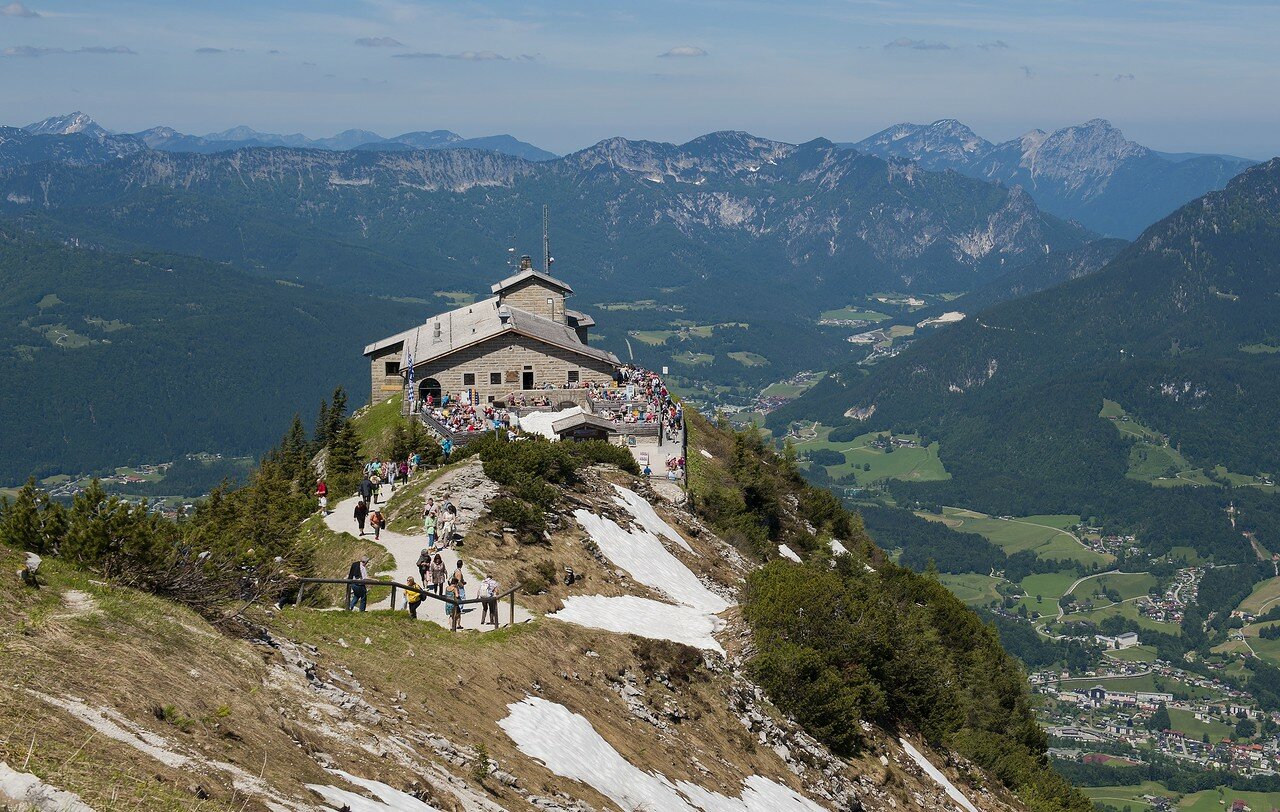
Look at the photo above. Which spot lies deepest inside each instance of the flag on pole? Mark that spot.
(409, 396)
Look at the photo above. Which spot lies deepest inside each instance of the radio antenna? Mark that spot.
(546, 240)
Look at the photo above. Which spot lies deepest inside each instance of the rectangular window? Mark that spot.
(573, 376)
(468, 379)
(393, 368)
(495, 378)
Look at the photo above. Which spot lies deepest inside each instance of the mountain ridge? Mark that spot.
(1088, 172)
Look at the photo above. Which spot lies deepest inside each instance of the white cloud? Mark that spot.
(1124, 77)
(380, 42)
(683, 51)
(468, 56)
(32, 51)
(17, 9)
(917, 45)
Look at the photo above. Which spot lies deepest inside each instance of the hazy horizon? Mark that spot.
(565, 75)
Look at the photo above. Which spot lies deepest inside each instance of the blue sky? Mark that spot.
(1173, 74)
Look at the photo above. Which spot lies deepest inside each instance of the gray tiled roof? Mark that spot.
(516, 279)
(469, 324)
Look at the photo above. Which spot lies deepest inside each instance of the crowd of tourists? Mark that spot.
(462, 413)
(638, 396)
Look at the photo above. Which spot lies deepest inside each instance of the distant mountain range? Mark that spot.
(168, 139)
(723, 219)
(1089, 173)
(1179, 328)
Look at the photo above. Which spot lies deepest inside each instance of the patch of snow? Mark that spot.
(26, 791)
(630, 614)
(837, 547)
(570, 747)
(705, 453)
(390, 799)
(642, 555)
(648, 517)
(788, 553)
(936, 774)
(540, 422)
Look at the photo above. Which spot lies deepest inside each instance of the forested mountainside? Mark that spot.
(718, 222)
(1179, 330)
(781, 701)
(1089, 172)
(118, 358)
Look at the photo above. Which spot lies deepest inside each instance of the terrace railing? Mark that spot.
(509, 595)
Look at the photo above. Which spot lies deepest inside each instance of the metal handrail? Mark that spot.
(510, 594)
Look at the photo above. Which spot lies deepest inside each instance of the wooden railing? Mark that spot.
(509, 595)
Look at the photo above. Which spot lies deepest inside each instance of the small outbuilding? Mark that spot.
(583, 426)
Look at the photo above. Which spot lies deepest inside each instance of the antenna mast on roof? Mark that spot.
(546, 240)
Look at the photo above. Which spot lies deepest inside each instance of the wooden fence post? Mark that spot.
(393, 596)
(347, 604)
(512, 615)
(298, 602)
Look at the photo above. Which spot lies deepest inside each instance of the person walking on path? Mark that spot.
(366, 490)
(429, 527)
(393, 471)
(361, 512)
(424, 566)
(376, 481)
(452, 609)
(359, 592)
(377, 523)
(412, 598)
(322, 495)
(447, 448)
(461, 580)
(439, 573)
(489, 600)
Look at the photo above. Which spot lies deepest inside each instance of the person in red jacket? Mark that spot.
(322, 494)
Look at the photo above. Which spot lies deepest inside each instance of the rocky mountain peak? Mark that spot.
(68, 124)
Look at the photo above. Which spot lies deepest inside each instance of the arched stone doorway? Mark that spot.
(429, 387)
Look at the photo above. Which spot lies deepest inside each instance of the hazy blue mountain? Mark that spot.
(73, 139)
(1089, 173)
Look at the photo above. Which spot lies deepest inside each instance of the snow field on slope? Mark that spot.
(642, 617)
(642, 555)
(648, 518)
(570, 747)
(788, 553)
(936, 774)
(390, 799)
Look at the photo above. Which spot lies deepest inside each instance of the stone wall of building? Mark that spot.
(506, 356)
(532, 295)
(384, 369)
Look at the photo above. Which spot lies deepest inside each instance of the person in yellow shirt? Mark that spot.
(412, 597)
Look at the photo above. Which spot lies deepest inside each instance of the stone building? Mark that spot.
(522, 338)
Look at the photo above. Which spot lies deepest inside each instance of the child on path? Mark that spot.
(322, 494)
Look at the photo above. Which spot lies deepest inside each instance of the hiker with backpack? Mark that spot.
(377, 523)
(412, 598)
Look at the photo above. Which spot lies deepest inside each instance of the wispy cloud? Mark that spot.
(380, 42)
(1027, 73)
(208, 50)
(683, 52)
(996, 45)
(1124, 77)
(917, 45)
(468, 56)
(32, 51)
(17, 9)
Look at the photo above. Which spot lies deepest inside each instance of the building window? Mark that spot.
(573, 376)
(468, 379)
(393, 368)
(495, 378)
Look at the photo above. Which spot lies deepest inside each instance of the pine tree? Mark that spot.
(344, 451)
(32, 521)
(337, 412)
(106, 533)
(1160, 719)
(293, 451)
(322, 426)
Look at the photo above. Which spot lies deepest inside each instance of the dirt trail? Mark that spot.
(470, 492)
